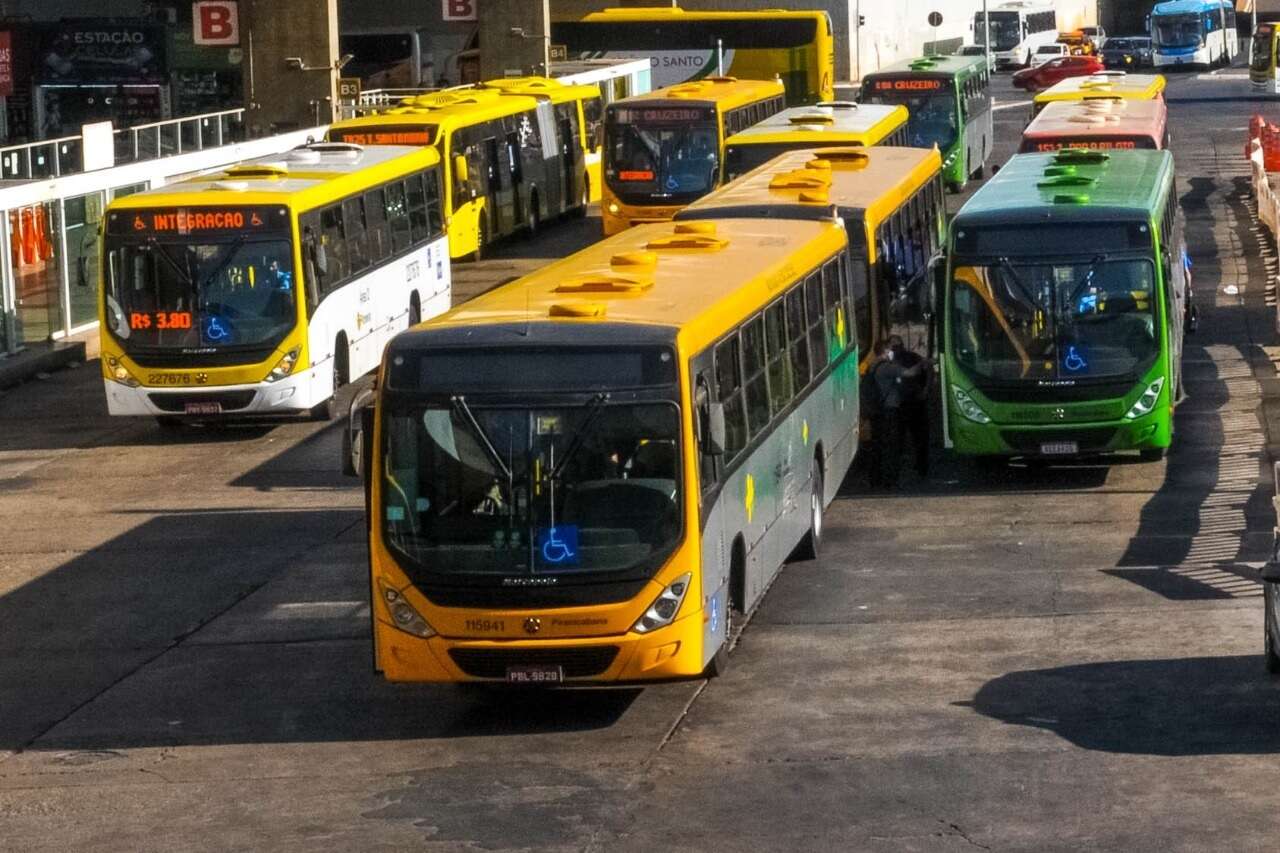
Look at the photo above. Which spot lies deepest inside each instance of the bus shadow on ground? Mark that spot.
(1171, 707)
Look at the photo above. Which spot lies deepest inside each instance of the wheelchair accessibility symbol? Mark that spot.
(559, 545)
(672, 183)
(1074, 361)
(215, 331)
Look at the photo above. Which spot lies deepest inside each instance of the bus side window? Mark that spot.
(375, 211)
(755, 361)
(398, 213)
(435, 211)
(781, 386)
(309, 228)
(815, 312)
(729, 392)
(357, 241)
(417, 209)
(334, 239)
(832, 297)
(797, 337)
(702, 406)
(859, 285)
(593, 115)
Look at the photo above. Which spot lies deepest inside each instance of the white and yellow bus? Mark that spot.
(266, 287)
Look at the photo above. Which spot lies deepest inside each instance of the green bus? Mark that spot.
(1066, 300)
(949, 98)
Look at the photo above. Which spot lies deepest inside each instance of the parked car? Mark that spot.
(1047, 52)
(977, 50)
(1127, 52)
(1039, 77)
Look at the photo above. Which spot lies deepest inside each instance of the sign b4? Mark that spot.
(215, 22)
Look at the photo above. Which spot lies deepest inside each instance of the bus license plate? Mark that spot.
(535, 674)
(203, 408)
(1059, 448)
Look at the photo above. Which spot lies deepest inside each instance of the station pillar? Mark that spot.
(514, 37)
(290, 63)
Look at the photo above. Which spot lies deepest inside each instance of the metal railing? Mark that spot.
(54, 158)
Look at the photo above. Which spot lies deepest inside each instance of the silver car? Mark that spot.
(977, 50)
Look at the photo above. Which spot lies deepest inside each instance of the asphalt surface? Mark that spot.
(1053, 658)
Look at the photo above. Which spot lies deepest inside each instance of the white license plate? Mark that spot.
(535, 674)
(1059, 448)
(203, 408)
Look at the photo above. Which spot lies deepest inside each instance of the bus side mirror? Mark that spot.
(357, 436)
(716, 435)
(460, 169)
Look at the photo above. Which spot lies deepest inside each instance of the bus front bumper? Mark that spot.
(291, 395)
(1059, 440)
(674, 651)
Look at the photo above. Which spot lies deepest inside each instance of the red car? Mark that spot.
(1036, 79)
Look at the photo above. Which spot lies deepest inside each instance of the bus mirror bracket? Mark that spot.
(357, 436)
(716, 433)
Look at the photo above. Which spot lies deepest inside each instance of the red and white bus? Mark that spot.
(1098, 124)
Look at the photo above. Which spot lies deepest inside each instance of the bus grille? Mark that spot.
(229, 400)
(577, 662)
(1029, 441)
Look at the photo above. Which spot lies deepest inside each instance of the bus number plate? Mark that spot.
(1059, 448)
(203, 408)
(535, 674)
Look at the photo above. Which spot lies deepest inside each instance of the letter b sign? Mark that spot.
(458, 10)
(216, 22)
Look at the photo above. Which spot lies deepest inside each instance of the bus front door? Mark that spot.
(568, 161)
(493, 189)
(516, 172)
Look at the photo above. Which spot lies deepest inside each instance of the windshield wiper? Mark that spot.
(1085, 280)
(593, 411)
(460, 405)
(232, 248)
(1009, 268)
(174, 265)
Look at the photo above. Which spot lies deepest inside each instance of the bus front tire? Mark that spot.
(811, 546)
(169, 423)
(415, 311)
(481, 236)
(580, 212)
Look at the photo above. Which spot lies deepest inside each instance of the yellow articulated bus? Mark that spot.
(1108, 84)
(683, 45)
(891, 202)
(663, 149)
(264, 288)
(589, 473)
(516, 152)
(831, 124)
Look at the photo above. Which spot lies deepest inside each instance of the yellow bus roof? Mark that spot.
(838, 123)
(649, 13)
(1111, 84)
(725, 93)
(867, 182)
(703, 275)
(303, 178)
(547, 87)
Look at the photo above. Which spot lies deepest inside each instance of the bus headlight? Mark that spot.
(613, 208)
(117, 372)
(665, 607)
(968, 408)
(1147, 401)
(284, 366)
(403, 616)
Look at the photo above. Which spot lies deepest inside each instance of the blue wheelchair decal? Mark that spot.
(1074, 361)
(216, 330)
(715, 614)
(559, 545)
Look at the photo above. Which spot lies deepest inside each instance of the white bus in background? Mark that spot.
(1018, 30)
(1200, 33)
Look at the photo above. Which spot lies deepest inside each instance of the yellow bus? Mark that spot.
(831, 124)
(663, 149)
(683, 45)
(264, 288)
(516, 152)
(891, 202)
(589, 473)
(1108, 84)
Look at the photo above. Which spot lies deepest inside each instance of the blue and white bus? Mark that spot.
(1193, 32)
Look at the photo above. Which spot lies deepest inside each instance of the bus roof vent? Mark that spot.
(230, 186)
(699, 235)
(634, 260)
(1101, 118)
(1071, 198)
(854, 158)
(334, 150)
(922, 64)
(268, 171)
(801, 179)
(837, 105)
(1067, 181)
(822, 195)
(1080, 157)
(725, 79)
(606, 283)
(577, 310)
(813, 118)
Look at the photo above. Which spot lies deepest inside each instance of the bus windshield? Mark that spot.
(515, 490)
(672, 162)
(740, 159)
(1069, 320)
(931, 103)
(1177, 30)
(1006, 30)
(208, 294)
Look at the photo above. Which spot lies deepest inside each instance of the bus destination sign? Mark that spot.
(384, 136)
(662, 115)
(1091, 144)
(165, 221)
(911, 84)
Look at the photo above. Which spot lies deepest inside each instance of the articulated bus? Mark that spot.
(266, 287)
(949, 99)
(827, 125)
(1264, 70)
(1066, 307)
(589, 473)
(663, 149)
(515, 152)
(1109, 85)
(1018, 30)
(1193, 32)
(891, 202)
(684, 45)
(1103, 124)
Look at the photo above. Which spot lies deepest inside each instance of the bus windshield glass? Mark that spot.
(740, 159)
(930, 101)
(668, 155)
(1177, 30)
(1006, 30)
(202, 294)
(1071, 320)
(516, 490)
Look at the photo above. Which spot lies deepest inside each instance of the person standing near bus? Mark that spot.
(913, 419)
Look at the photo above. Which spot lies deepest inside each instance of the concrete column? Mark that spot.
(513, 37)
(290, 58)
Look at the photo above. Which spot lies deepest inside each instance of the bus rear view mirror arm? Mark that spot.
(716, 433)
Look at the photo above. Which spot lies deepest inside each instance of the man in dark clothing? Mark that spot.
(884, 386)
(913, 413)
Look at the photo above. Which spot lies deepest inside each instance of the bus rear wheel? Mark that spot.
(532, 217)
(811, 545)
(580, 212)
